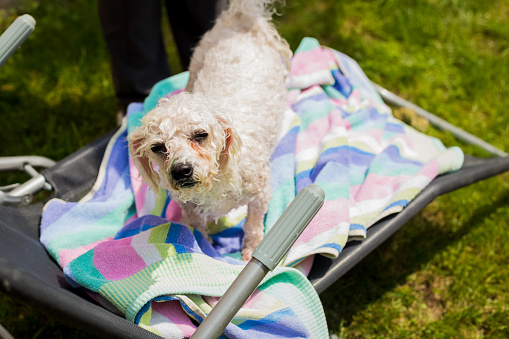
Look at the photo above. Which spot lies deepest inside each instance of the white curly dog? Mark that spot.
(211, 144)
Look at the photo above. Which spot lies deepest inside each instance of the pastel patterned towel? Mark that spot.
(123, 243)
(162, 275)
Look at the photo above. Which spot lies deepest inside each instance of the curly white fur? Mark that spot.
(212, 142)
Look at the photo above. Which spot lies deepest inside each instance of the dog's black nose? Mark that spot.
(181, 171)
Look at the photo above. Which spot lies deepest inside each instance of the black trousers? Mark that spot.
(132, 31)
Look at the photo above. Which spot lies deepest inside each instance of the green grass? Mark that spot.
(446, 273)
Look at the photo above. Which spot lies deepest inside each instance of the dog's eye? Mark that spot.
(158, 148)
(200, 136)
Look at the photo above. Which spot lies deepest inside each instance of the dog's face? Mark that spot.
(189, 140)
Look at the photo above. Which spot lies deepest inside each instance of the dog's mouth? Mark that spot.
(186, 183)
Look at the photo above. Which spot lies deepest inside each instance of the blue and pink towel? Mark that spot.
(125, 246)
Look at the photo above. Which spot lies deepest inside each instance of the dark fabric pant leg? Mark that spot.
(132, 31)
(189, 20)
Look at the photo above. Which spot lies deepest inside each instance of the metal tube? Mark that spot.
(392, 98)
(4, 334)
(266, 256)
(5, 198)
(18, 162)
(33, 173)
(14, 36)
(29, 187)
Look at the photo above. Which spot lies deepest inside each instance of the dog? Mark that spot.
(211, 144)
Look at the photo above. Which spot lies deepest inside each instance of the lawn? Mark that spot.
(445, 274)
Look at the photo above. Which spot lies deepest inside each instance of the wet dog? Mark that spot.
(211, 144)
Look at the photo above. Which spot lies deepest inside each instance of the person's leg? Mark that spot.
(132, 31)
(189, 20)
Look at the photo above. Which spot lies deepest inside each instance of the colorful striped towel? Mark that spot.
(160, 274)
(124, 245)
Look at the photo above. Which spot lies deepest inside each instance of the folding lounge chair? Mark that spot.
(28, 273)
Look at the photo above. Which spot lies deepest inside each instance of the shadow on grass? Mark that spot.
(56, 93)
(53, 131)
(406, 252)
(24, 321)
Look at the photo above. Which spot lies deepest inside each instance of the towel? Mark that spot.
(125, 245)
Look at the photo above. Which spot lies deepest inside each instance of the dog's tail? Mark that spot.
(256, 16)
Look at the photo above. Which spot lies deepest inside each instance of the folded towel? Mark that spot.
(124, 244)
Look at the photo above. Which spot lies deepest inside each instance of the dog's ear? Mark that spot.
(138, 149)
(232, 144)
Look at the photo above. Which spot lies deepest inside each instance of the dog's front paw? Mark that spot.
(253, 226)
(247, 253)
(251, 241)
